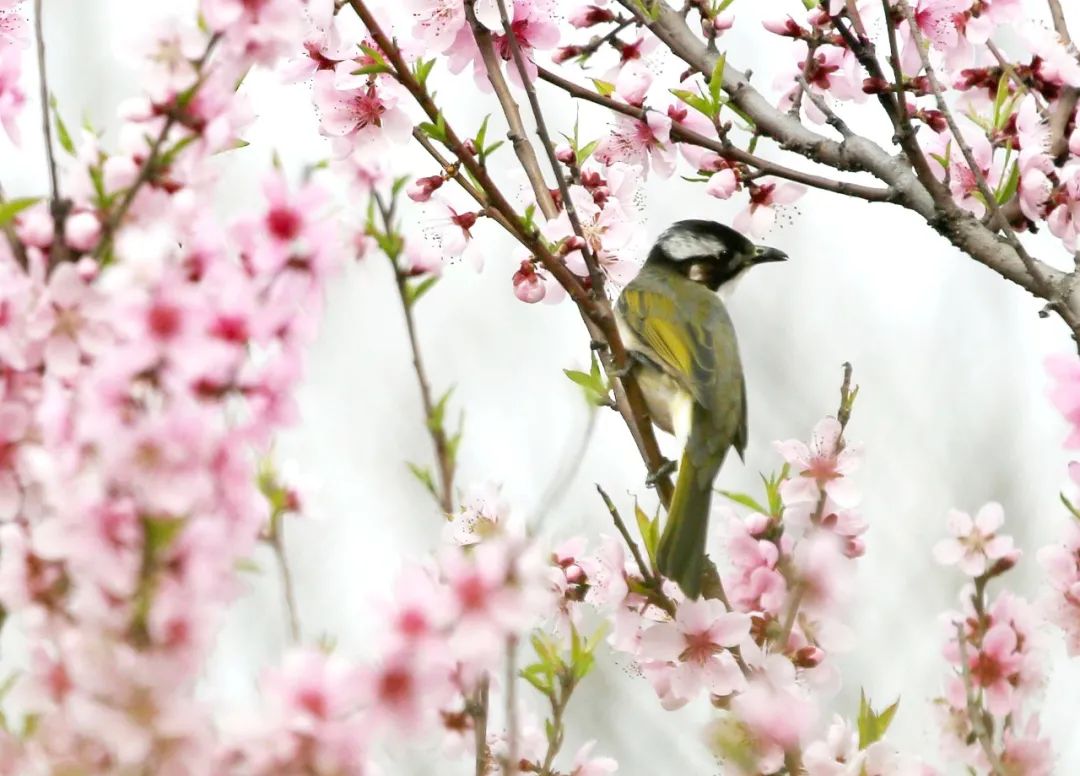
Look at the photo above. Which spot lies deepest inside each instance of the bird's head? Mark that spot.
(708, 253)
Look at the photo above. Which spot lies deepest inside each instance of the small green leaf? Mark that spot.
(873, 725)
(438, 412)
(696, 101)
(999, 99)
(585, 152)
(716, 82)
(592, 383)
(159, 533)
(423, 474)
(62, 135)
(481, 134)
(374, 68)
(539, 677)
(414, 291)
(743, 499)
(650, 532)
(12, 207)
(1006, 191)
(399, 184)
(1070, 506)
(604, 88)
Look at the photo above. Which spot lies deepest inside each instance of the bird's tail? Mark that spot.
(681, 553)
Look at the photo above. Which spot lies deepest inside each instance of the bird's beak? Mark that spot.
(763, 254)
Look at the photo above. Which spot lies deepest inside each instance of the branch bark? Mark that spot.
(856, 153)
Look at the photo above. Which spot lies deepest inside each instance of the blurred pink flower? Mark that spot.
(975, 545)
(820, 467)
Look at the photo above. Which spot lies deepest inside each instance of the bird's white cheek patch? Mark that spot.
(684, 246)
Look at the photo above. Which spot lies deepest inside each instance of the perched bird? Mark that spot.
(686, 361)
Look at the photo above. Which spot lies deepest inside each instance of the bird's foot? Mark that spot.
(632, 360)
(666, 467)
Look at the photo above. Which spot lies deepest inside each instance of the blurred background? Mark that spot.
(952, 410)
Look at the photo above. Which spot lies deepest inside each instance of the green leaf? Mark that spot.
(585, 152)
(12, 207)
(1007, 189)
(438, 412)
(716, 83)
(873, 725)
(399, 184)
(436, 131)
(481, 134)
(62, 135)
(696, 101)
(650, 532)
(414, 291)
(999, 99)
(539, 677)
(604, 88)
(160, 532)
(374, 68)
(743, 499)
(422, 69)
(492, 148)
(592, 383)
(423, 474)
(1070, 506)
(373, 53)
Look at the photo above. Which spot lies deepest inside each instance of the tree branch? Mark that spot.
(443, 455)
(595, 275)
(518, 139)
(857, 153)
(46, 121)
(596, 312)
(726, 150)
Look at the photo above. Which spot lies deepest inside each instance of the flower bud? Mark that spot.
(82, 231)
(421, 189)
(589, 15)
(565, 154)
(564, 53)
(527, 284)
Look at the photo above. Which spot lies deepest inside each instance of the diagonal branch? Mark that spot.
(726, 150)
(518, 139)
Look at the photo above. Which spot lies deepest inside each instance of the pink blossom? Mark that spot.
(757, 586)
(820, 467)
(70, 318)
(1026, 751)
(610, 233)
(362, 113)
(760, 216)
(12, 97)
(437, 22)
(14, 423)
(14, 29)
(1064, 218)
(938, 22)
(633, 82)
(586, 765)
(693, 647)
(994, 666)
(606, 571)
(528, 283)
(484, 512)
(777, 711)
(722, 184)
(834, 70)
(261, 29)
(975, 545)
(1061, 602)
(637, 142)
(82, 231)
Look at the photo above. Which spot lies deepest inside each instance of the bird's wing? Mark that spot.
(693, 341)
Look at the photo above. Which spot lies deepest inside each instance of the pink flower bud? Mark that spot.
(786, 26)
(527, 284)
(34, 226)
(82, 231)
(571, 244)
(564, 53)
(723, 22)
(757, 523)
(421, 189)
(470, 147)
(119, 172)
(589, 15)
(722, 184)
(565, 154)
(809, 657)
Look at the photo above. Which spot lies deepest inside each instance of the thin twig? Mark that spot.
(559, 700)
(510, 766)
(831, 116)
(1060, 25)
(643, 567)
(443, 453)
(1046, 290)
(685, 135)
(149, 166)
(587, 50)
(595, 275)
(277, 543)
(596, 312)
(518, 139)
(974, 711)
(479, 711)
(46, 120)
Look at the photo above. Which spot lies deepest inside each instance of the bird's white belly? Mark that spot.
(670, 405)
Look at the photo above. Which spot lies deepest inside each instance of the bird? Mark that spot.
(685, 357)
